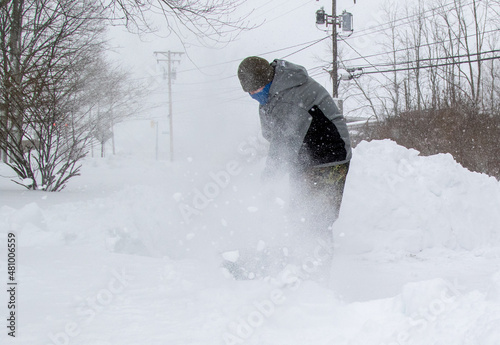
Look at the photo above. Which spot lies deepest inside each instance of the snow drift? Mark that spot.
(114, 260)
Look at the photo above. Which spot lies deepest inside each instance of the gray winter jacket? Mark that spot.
(286, 117)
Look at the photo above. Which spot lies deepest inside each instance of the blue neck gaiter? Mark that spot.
(263, 96)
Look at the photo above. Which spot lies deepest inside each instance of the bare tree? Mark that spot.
(11, 28)
(49, 100)
(491, 86)
(394, 86)
(438, 55)
(448, 61)
(417, 33)
(466, 25)
(116, 98)
(43, 93)
(212, 21)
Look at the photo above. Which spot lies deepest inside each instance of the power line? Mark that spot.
(358, 54)
(375, 66)
(312, 43)
(356, 34)
(295, 52)
(237, 60)
(260, 54)
(258, 15)
(392, 22)
(292, 10)
(413, 47)
(266, 4)
(432, 66)
(431, 59)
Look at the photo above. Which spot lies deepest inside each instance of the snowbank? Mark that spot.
(113, 260)
(396, 200)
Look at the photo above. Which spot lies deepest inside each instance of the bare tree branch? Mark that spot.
(46, 104)
(210, 21)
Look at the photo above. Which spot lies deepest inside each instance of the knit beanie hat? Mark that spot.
(255, 72)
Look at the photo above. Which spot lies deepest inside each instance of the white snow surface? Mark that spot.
(131, 251)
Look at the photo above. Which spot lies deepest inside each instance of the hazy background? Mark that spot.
(211, 112)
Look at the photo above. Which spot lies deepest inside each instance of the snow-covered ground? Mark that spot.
(131, 253)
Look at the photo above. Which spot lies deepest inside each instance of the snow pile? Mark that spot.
(115, 260)
(396, 200)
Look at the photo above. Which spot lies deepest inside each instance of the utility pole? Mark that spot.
(171, 75)
(334, 52)
(344, 21)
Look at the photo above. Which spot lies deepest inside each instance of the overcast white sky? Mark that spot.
(286, 23)
(208, 99)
